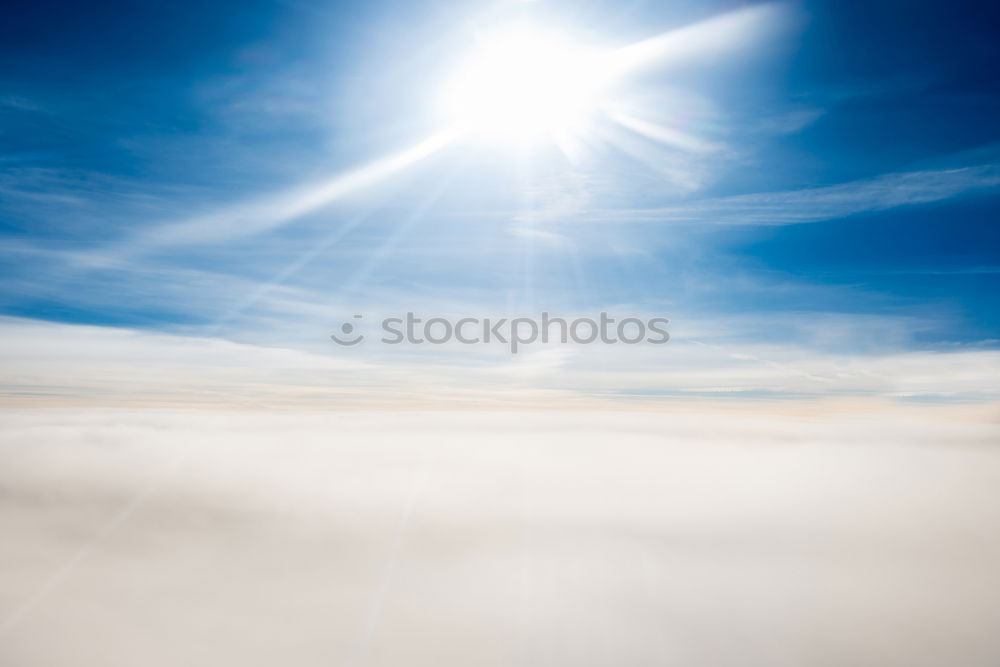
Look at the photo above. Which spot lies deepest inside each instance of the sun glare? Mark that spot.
(524, 86)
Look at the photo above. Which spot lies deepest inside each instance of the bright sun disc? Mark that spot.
(524, 86)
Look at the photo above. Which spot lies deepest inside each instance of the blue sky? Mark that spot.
(823, 199)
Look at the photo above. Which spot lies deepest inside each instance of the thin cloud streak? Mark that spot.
(792, 207)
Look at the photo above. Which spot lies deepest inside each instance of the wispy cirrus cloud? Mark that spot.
(790, 207)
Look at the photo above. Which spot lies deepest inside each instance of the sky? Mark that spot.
(192, 198)
(195, 196)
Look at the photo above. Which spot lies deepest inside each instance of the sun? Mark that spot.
(524, 86)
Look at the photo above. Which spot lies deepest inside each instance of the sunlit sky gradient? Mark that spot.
(205, 192)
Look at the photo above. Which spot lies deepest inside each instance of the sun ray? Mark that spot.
(718, 36)
(278, 210)
(380, 254)
(664, 134)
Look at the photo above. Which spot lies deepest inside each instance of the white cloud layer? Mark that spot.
(71, 365)
(180, 538)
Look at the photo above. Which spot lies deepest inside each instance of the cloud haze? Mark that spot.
(166, 538)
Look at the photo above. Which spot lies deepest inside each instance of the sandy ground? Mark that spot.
(169, 539)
